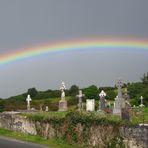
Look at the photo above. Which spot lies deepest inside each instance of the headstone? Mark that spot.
(126, 111)
(63, 102)
(28, 99)
(102, 103)
(118, 99)
(80, 104)
(141, 104)
(46, 109)
(125, 107)
(90, 105)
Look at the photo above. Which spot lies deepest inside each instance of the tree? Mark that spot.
(73, 90)
(145, 79)
(91, 92)
(32, 92)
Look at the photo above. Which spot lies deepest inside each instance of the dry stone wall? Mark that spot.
(100, 136)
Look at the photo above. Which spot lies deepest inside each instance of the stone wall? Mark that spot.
(101, 136)
(17, 123)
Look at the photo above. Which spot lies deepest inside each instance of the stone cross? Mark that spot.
(63, 102)
(119, 85)
(28, 99)
(80, 95)
(62, 88)
(119, 101)
(102, 96)
(141, 98)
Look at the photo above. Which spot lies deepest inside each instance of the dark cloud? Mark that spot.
(30, 22)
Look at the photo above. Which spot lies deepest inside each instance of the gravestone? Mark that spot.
(28, 99)
(62, 102)
(90, 105)
(126, 111)
(46, 109)
(80, 104)
(141, 103)
(102, 103)
(126, 107)
(118, 99)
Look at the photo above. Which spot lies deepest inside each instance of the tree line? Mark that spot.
(135, 90)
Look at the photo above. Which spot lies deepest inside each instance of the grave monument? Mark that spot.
(46, 109)
(28, 99)
(63, 102)
(118, 99)
(126, 107)
(90, 105)
(141, 104)
(102, 102)
(80, 104)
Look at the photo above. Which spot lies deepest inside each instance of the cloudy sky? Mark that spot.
(28, 23)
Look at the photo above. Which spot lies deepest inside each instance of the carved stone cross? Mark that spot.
(28, 99)
(80, 95)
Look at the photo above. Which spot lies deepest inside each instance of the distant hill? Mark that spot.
(51, 98)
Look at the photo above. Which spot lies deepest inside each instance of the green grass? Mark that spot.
(54, 143)
(139, 115)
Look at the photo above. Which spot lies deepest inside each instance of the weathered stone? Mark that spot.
(97, 135)
(90, 104)
(63, 105)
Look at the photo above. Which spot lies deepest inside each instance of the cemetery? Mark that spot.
(87, 122)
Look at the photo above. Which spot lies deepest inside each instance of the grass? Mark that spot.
(54, 143)
(139, 115)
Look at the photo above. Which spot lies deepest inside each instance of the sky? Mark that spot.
(31, 23)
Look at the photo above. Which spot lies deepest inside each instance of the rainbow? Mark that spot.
(73, 45)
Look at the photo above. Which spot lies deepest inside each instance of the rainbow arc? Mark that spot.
(99, 44)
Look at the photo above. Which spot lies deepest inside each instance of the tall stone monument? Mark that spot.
(126, 107)
(90, 105)
(102, 102)
(80, 104)
(141, 103)
(118, 99)
(63, 102)
(28, 99)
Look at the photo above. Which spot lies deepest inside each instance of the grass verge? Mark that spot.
(54, 143)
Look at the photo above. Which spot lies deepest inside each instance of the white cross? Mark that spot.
(62, 88)
(80, 95)
(102, 94)
(141, 98)
(28, 99)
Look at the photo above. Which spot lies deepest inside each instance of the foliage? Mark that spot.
(51, 98)
(145, 79)
(91, 92)
(73, 90)
(77, 125)
(32, 92)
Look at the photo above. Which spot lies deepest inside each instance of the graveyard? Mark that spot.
(81, 120)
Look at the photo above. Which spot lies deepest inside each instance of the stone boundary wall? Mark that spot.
(97, 136)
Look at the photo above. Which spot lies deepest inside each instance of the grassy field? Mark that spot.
(54, 143)
(139, 115)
